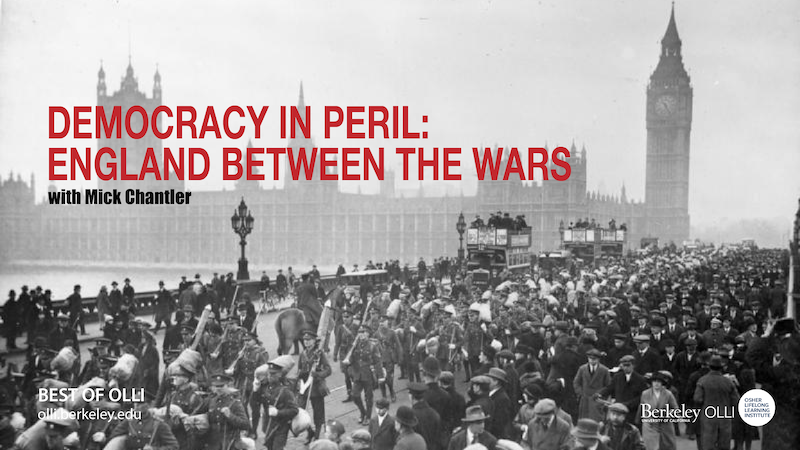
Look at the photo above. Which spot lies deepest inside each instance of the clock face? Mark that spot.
(666, 105)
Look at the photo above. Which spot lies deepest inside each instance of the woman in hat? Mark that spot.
(658, 435)
(408, 439)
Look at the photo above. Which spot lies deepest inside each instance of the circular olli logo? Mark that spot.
(756, 407)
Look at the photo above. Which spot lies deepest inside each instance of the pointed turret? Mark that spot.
(670, 65)
(671, 38)
(157, 85)
(101, 81)
(129, 83)
(623, 194)
(301, 102)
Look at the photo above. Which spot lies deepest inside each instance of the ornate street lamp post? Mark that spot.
(461, 226)
(242, 224)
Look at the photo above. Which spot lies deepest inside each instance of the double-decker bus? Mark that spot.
(492, 251)
(594, 244)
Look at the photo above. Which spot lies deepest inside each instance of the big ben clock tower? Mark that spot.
(669, 122)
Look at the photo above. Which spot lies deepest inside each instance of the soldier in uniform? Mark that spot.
(252, 356)
(505, 326)
(232, 343)
(94, 434)
(183, 393)
(187, 335)
(51, 437)
(345, 336)
(314, 363)
(278, 400)
(451, 337)
(92, 368)
(166, 381)
(364, 367)
(390, 354)
(413, 332)
(145, 432)
(226, 415)
(474, 339)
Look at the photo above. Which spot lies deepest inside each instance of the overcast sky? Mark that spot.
(512, 73)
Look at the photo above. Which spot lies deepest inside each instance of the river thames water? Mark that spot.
(60, 278)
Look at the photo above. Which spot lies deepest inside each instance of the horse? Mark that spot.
(289, 325)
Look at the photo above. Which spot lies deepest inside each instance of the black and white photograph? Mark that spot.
(411, 225)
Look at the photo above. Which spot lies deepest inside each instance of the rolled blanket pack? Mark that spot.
(75, 401)
(197, 422)
(64, 360)
(301, 422)
(190, 360)
(118, 443)
(123, 369)
(394, 308)
(262, 371)
(174, 411)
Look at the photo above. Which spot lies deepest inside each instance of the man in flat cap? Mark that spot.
(617, 433)
(714, 336)
(626, 387)
(478, 394)
(648, 360)
(361, 439)
(563, 368)
(591, 378)
(458, 404)
(436, 397)
(716, 390)
(546, 431)
(501, 425)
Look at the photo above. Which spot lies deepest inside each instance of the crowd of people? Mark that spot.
(592, 224)
(501, 220)
(562, 359)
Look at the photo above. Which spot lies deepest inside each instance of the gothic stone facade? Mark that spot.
(313, 222)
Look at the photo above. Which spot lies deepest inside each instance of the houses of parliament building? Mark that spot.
(313, 222)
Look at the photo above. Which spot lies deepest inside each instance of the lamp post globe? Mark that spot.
(461, 226)
(242, 224)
